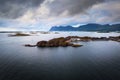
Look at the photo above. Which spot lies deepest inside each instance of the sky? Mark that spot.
(43, 14)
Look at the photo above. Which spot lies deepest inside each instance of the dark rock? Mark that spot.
(85, 38)
(64, 42)
(76, 45)
(56, 42)
(42, 44)
(18, 34)
(117, 38)
(28, 45)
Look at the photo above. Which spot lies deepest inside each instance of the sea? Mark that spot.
(95, 60)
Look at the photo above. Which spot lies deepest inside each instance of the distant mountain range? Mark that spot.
(88, 27)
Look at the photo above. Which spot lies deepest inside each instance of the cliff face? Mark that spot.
(88, 27)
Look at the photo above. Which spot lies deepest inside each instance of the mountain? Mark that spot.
(88, 27)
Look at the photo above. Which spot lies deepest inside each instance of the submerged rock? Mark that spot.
(29, 45)
(76, 45)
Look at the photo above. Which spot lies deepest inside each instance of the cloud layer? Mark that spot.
(16, 8)
(42, 14)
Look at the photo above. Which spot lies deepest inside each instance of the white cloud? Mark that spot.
(108, 12)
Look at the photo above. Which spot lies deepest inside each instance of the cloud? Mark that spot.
(12, 9)
(57, 7)
(50, 10)
(15, 8)
(108, 12)
(43, 14)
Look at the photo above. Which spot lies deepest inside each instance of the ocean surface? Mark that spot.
(95, 60)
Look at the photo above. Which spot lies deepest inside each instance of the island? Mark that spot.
(56, 42)
(18, 34)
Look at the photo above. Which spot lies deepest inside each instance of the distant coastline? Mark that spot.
(89, 27)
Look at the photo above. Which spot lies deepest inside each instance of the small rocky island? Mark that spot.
(69, 41)
(18, 34)
(56, 42)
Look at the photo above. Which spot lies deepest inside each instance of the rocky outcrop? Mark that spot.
(115, 38)
(68, 41)
(76, 45)
(86, 38)
(29, 45)
(56, 42)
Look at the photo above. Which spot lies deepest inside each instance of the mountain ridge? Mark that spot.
(88, 27)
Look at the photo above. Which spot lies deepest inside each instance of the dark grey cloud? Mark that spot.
(15, 8)
(72, 6)
(107, 12)
(28, 2)
(12, 9)
(109, 9)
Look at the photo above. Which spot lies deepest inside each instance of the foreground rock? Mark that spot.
(68, 41)
(56, 42)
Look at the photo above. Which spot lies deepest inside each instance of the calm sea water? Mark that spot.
(98, 60)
